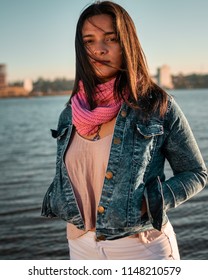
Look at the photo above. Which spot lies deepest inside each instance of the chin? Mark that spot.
(105, 78)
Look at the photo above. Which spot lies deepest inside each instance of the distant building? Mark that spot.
(3, 76)
(13, 91)
(164, 78)
(28, 85)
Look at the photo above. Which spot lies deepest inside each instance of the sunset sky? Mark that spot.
(37, 36)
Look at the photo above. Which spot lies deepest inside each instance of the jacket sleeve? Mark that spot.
(182, 152)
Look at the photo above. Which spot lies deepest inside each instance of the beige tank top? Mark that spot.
(86, 162)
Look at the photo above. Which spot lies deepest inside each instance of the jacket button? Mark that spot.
(101, 238)
(101, 209)
(123, 113)
(109, 175)
(117, 141)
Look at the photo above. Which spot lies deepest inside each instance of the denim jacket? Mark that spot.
(135, 171)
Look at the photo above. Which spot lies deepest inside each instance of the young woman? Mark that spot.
(113, 138)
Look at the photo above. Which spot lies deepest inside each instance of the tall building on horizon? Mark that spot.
(28, 85)
(164, 78)
(12, 90)
(3, 76)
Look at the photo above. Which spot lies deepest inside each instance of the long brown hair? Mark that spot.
(144, 94)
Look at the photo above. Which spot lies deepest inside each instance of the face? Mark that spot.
(102, 46)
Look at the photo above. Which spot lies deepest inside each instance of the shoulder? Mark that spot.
(174, 114)
(173, 107)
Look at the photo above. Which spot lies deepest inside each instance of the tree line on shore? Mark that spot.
(192, 81)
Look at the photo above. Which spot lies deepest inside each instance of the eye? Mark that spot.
(111, 39)
(88, 42)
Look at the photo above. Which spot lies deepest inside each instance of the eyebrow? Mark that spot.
(105, 33)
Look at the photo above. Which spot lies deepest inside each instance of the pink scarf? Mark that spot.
(87, 121)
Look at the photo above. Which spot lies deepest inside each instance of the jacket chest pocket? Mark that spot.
(149, 131)
(61, 136)
(146, 141)
(60, 133)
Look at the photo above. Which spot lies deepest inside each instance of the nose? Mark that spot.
(100, 49)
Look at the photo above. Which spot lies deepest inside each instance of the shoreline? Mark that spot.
(34, 94)
(68, 93)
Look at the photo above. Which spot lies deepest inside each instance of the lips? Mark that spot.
(100, 62)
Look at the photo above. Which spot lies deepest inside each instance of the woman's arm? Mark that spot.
(182, 152)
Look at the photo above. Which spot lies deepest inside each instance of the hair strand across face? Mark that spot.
(134, 76)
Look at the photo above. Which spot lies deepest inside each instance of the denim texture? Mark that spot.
(135, 171)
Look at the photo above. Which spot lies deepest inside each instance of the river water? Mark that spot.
(27, 166)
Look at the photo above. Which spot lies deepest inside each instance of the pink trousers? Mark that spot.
(149, 245)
